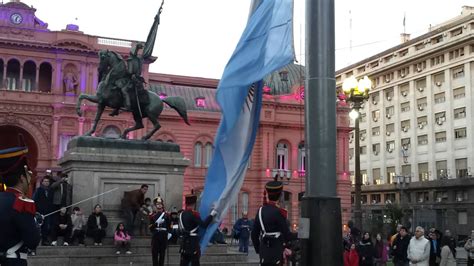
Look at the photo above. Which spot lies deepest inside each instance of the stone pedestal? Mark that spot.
(96, 165)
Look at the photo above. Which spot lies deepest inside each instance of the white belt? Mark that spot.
(22, 256)
(160, 229)
(272, 234)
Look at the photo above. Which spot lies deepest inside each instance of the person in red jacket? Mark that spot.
(351, 258)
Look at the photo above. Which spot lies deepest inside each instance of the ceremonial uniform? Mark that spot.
(18, 228)
(189, 223)
(271, 231)
(160, 227)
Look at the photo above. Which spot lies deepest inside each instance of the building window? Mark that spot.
(438, 79)
(111, 132)
(365, 180)
(351, 153)
(363, 150)
(460, 113)
(197, 154)
(406, 143)
(389, 94)
(390, 198)
(363, 199)
(375, 115)
(234, 211)
(437, 60)
(376, 176)
(375, 131)
(423, 140)
(422, 121)
(200, 101)
(403, 72)
(405, 107)
(459, 93)
(375, 98)
(456, 32)
(376, 148)
(363, 117)
(460, 133)
(461, 195)
(461, 168)
(362, 135)
(458, 72)
(404, 89)
(405, 125)
(389, 111)
(440, 136)
(440, 118)
(390, 175)
(389, 129)
(375, 198)
(422, 103)
(390, 146)
(302, 157)
(208, 149)
(442, 169)
(422, 196)
(423, 173)
(63, 141)
(462, 217)
(245, 202)
(456, 53)
(282, 156)
(441, 196)
(439, 98)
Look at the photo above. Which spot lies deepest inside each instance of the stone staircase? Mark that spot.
(216, 255)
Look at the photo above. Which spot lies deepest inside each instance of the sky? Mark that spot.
(197, 37)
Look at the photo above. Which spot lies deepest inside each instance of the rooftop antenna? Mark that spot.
(404, 20)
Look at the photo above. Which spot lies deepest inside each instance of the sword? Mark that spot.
(79, 202)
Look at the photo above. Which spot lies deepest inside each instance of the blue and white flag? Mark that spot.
(266, 46)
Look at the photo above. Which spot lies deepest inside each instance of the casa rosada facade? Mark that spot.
(43, 71)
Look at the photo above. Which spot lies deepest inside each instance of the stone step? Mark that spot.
(139, 240)
(136, 258)
(254, 263)
(110, 249)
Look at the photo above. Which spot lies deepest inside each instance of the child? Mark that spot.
(145, 211)
(122, 239)
(351, 258)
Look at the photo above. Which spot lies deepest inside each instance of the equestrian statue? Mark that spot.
(121, 87)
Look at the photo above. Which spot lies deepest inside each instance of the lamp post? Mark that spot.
(402, 183)
(357, 92)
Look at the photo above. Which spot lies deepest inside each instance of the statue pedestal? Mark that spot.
(96, 165)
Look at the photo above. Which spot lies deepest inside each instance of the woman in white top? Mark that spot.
(448, 253)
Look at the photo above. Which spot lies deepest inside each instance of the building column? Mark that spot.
(83, 79)
(20, 85)
(80, 130)
(56, 86)
(55, 136)
(4, 76)
(37, 79)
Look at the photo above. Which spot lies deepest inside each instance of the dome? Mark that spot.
(284, 80)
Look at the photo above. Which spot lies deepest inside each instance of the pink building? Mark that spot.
(42, 72)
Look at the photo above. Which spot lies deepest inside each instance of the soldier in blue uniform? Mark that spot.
(189, 223)
(160, 227)
(271, 231)
(18, 227)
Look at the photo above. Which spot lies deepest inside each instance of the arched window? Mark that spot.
(197, 154)
(234, 209)
(13, 75)
(301, 157)
(245, 201)
(208, 152)
(111, 132)
(45, 77)
(29, 76)
(282, 156)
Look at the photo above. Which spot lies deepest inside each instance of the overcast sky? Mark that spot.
(197, 37)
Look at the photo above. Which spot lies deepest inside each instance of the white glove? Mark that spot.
(213, 213)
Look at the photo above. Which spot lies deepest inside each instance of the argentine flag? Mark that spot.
(266, 46)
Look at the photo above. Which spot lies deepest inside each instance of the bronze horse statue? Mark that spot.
(113, 73)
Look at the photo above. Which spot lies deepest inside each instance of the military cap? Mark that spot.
(274, 187)
(158, 200)
(12, 159)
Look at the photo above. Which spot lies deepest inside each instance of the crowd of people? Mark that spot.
(431, 249)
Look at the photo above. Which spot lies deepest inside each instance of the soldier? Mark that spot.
(160, 227)
(189, 223)
(271, 230)
(18, 227)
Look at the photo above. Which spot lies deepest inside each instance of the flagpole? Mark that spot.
(321, 208)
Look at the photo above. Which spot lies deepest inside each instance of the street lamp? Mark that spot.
(402, 183)
(357, 92)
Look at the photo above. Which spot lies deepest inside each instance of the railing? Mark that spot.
(114, 42)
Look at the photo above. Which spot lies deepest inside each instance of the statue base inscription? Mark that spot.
(97, 165)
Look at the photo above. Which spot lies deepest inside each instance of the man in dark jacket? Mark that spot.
(131, 204)
(62, 227)
(62, 190)
(435, 249)
(43, 198)
(243, 227)
(400, 247)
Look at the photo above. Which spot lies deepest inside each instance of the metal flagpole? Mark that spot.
(79, 202)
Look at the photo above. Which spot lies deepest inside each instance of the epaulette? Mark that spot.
(284, 212)
(196, 213)
(24, 205)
